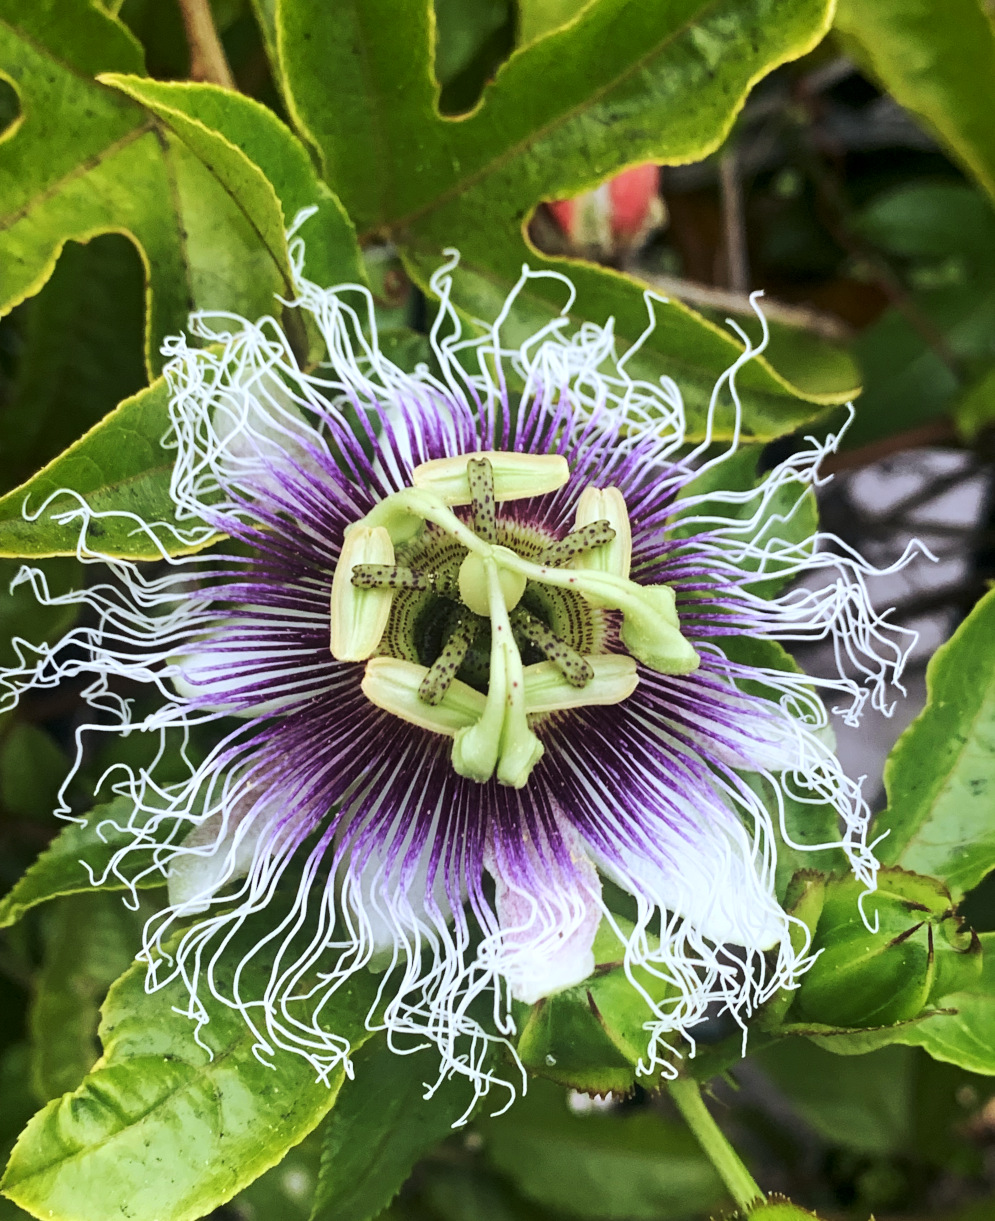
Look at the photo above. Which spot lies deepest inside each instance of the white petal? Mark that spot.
(259, 428)
(222, 849)
(393, 903)
(548, 917)
(712, 882)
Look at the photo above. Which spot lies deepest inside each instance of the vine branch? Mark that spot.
(207, 56)
(738, 1180)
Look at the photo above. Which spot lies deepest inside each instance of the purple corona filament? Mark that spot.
(351, 835)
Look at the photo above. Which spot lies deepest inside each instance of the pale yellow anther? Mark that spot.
(516, 476)
(359, 616)
(546, 690)
(393, 685)
(605, 504)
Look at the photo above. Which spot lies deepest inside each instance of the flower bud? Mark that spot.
(864, 978)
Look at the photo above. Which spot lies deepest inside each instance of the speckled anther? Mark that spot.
(389, 576)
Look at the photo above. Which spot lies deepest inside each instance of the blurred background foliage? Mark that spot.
(856, 190)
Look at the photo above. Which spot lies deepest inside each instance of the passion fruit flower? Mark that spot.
(463, 666)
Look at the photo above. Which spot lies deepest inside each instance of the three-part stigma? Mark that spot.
(476, 626)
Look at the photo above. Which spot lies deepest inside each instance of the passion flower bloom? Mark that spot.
(469, 650)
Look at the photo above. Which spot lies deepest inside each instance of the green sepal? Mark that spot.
(804, 899)
(592, 1037)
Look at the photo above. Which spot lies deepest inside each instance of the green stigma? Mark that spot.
(477, 627)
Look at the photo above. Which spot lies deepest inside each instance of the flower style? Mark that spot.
(468, 652)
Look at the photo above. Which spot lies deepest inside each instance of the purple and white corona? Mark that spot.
(468, 651)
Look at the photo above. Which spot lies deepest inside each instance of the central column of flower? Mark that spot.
(492, 732)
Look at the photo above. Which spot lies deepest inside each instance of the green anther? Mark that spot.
(443, 670)
(595, 534)
(388, 576)
(480, 475)
(613, 679)
(574, 668)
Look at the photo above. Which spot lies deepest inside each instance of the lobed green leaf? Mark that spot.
(120, 467)
(563, 112)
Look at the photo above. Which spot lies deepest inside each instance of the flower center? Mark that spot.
(475, 626)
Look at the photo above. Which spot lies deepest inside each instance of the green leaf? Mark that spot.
(937, 58)
(90, 939)
(863, 1104)
(120, 467)
(464, 1193)
(381, 1125)
(635, 1166)
(262, 165)
(562, 114)
(165, 1129)
(471, 40)
(284, 1192)
(21, 616)
(82, 353)
(943, 235)
(975, 411)
(624, 83)
(32, 769)
(538, 17)
(60, 869)
(940, 777)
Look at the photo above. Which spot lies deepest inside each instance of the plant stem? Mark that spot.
(687, 1098)
(207, 56)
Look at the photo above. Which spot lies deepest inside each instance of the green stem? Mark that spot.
(687, 1098)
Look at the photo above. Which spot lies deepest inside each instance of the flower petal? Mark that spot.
(711, 880)
(548, 908)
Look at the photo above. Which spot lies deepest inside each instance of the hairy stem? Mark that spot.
(687, 1098)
